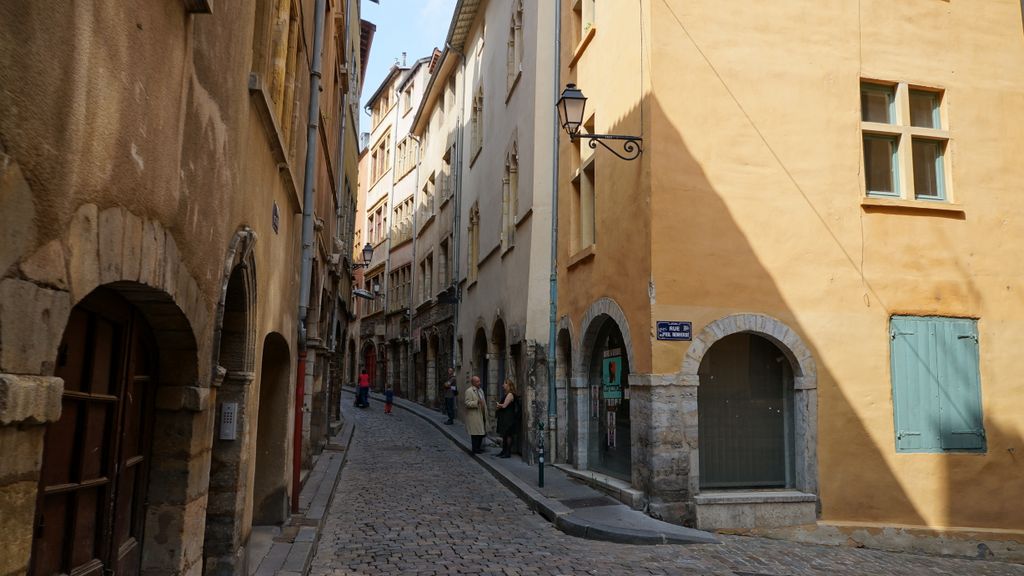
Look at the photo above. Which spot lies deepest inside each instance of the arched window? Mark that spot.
(477, 119)
(510, 197)
(515, 45)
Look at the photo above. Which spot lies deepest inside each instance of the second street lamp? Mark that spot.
(571, 105)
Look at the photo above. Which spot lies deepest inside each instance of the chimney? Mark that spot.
(403, 59)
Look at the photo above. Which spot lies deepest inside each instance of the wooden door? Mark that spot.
(89, 512)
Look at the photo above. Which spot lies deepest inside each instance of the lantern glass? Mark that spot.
(367, 253)
(570, 108)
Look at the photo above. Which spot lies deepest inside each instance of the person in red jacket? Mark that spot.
(363, 398)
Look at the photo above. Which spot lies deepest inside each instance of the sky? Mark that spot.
(412, 26)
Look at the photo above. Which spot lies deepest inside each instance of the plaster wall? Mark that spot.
(757, 206)
(618, 264)
(510, 296)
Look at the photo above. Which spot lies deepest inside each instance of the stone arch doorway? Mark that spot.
(93, 484)
(270, 486)
(121, 343)
(499, 352)
(799, 377)
(480, 359)
(567, 413)
(608, 442)
(229, 454)
(353, 362)
(370, 362)
(745, 407)
(436, 373)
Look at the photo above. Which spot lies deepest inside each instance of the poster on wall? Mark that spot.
(611, 378)
(611, 429)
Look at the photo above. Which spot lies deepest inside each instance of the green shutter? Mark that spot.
(960, 387)
(935, 384)
(913, 385)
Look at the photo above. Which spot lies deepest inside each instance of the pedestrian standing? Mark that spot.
(451, 391)
(363, 398)
(476, 414)
(508, 413)
(389, 399)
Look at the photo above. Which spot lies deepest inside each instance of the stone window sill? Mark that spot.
(585, 255)
(899, 205)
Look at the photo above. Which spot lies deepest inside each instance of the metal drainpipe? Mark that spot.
(552, 329)
(412, 266)
(457, 204)
(307, 241)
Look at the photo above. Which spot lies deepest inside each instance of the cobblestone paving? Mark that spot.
(410, 502)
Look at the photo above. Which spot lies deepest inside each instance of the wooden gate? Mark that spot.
(89, 513)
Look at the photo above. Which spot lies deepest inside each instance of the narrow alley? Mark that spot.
(410, 501)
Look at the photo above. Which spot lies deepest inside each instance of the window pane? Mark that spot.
(924, 109)
(876, 103)
(927, 168)
(878, 165)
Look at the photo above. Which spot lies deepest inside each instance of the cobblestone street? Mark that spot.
(410, 502)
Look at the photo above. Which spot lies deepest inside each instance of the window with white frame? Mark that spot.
(905, 142)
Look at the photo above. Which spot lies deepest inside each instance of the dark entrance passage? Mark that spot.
(744, 404)
(90, 510)
(609, 444)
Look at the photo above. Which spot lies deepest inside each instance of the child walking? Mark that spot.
(389, 399)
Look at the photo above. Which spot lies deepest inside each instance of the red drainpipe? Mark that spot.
(300, 392)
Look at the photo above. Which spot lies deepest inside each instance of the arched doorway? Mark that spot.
(480, 362)
(608, 442)
(270, 488)
(566, 405)
(370, 362)
(353, 362)
(93, 483)
(231, 442)
(499, 353)
(745, 402)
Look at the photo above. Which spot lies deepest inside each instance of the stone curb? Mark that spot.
(296, 558)
(553, 511)
(345, 437)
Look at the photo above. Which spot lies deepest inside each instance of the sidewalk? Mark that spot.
(573, 507)
(288, 550)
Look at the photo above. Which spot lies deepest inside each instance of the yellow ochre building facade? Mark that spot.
(827, 211)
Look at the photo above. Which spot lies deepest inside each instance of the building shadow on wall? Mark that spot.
(713, 264)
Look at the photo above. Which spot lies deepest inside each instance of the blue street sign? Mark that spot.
(668, 330)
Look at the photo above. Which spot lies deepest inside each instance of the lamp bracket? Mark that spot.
(632, 146)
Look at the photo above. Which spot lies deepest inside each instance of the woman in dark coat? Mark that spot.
(508, 418)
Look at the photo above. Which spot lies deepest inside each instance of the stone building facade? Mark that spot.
(503, 158)
(433, 319)
(789, 314)
(151, 190)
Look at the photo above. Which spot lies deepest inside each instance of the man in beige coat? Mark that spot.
(476, 414)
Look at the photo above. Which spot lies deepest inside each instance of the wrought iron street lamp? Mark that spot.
(367, 257)
(570, 112)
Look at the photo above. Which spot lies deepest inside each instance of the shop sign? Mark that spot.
(611, 378)
(669, 330)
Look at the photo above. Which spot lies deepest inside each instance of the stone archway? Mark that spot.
(138, 259)
(566, 410)
(805, 393)
(599, 318)
(234, 353)
(270, 498)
